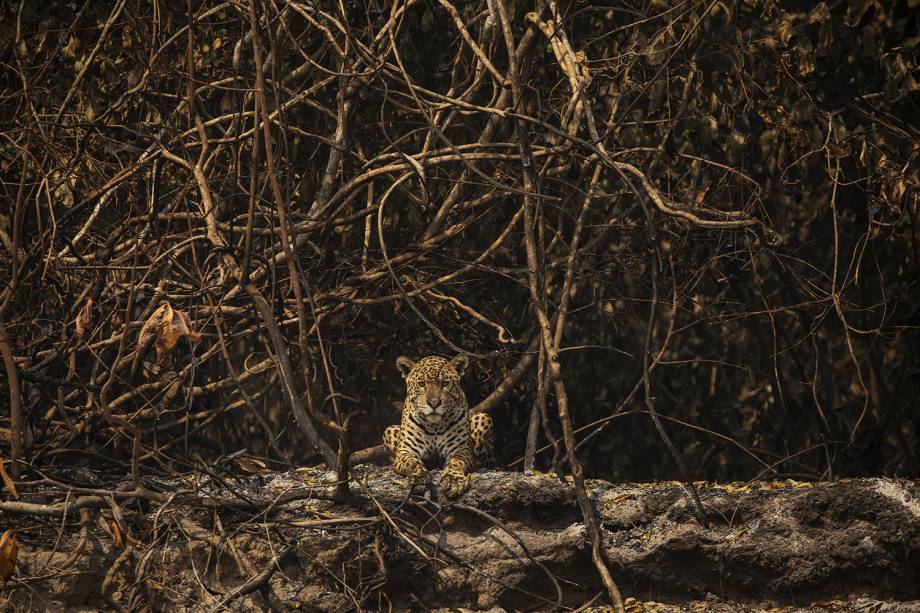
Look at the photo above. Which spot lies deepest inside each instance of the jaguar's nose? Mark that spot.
(434, 402)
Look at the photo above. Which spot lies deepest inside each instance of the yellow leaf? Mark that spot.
(217, 43)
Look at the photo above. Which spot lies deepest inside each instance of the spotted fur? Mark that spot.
(436, 424)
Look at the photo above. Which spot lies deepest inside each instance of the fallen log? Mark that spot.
(273, 541)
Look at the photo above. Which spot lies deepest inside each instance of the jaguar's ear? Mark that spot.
(404, 365)
(460, 363)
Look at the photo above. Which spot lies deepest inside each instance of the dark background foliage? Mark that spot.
(783, 348)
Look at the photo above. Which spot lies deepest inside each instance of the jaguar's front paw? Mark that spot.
(408, 466)
(453, 484)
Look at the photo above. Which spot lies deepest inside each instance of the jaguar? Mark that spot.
(437, 426)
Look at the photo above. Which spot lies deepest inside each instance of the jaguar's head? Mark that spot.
(433, 386)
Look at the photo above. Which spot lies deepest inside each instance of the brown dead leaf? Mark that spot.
(9, 550)
(120, 538)
(820, 13)
(166, 326)
(179, 326)
(827, 604)
(786, 31)
(10, 486)
(149, 330)
(85, 318)
(117, 538)
(252, 465)
(856, 9)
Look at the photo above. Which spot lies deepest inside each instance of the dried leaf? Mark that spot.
(85, 318)
(252, 465)
(165, 341)
(10, 486)
(166, 326)
(69, 50)
(856, 9)
(9, 550)
(806, 56)
(826, 37)
(117, 538)
(898, 189)
(820, 13)
(115, 321)
(786, 31)
(149, 330)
